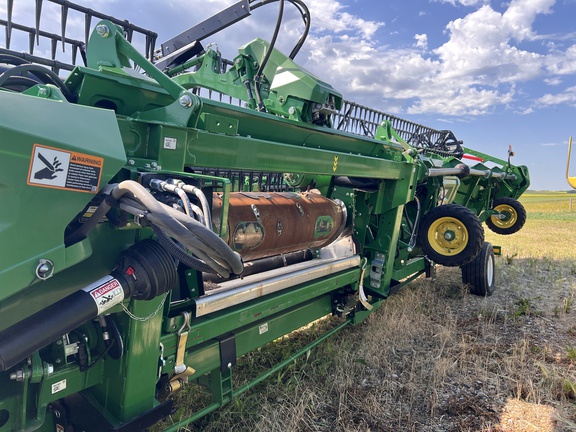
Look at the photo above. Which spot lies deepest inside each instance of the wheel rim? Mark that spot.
(448, 236)
(511, 216)
(490, 271)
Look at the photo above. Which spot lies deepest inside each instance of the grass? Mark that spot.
(435, 358)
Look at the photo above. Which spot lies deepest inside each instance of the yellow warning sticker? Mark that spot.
(61, 169)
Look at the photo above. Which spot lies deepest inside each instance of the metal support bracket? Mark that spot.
(376, 270)
(227, 351)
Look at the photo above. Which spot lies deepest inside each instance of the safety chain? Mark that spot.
(143, 319)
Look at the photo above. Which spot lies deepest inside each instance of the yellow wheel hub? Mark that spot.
(510, 216)
(448, 236)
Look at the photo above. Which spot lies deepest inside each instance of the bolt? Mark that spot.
(229, 365)
(43, 91)
(44, 269)
(17, 376)
(103, 31)
(131, 162)
(154, 165)
(186, 101)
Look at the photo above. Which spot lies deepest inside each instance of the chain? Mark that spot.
(143, 319)
(445, 153)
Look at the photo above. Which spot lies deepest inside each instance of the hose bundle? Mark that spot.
(212, 254)
(178, 232)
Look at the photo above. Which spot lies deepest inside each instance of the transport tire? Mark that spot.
(515, 216)
(479, 273)
(451, 235)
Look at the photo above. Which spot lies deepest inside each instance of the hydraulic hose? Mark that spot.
(173, 228)
(304, 11)
(177, 187)
(181, 227)
(87, 226)
(203, 202)
(260, 71)
(45, 75)
(177, 252)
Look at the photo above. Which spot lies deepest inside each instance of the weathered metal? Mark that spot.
(262, 224)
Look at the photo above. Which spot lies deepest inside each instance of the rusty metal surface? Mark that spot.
(270, 223)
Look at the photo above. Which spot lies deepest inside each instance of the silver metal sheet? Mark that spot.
(242, 290)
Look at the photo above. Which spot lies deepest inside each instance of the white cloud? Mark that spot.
(562, 63)
(525, 111)
(477, 69)
(480, 44)
(521, 15)
(463, 2)
(330, 15)
(554, 81)
(421, 41)
(463, 101)
(566, 97)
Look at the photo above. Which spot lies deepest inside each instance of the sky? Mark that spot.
(496, 73)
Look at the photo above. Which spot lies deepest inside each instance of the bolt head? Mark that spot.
(103, 31)
(186, 101)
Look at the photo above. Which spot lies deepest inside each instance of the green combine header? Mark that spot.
(164, 213)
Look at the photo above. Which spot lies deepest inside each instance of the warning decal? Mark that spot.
(106, 292)
(61, 169)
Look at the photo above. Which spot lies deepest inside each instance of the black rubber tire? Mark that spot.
(479, 273)
(467, 242)
(518, 214)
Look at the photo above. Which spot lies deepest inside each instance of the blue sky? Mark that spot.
(495, 73)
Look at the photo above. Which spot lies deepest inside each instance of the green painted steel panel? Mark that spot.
(40, 140)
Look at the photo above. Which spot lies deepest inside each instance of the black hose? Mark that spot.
(19, 83)
(258, 75)
(45, 75)
(175, 229)
(304, 11)
(180, 254)
(82, 232)
(211, 240)
(183, 228)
